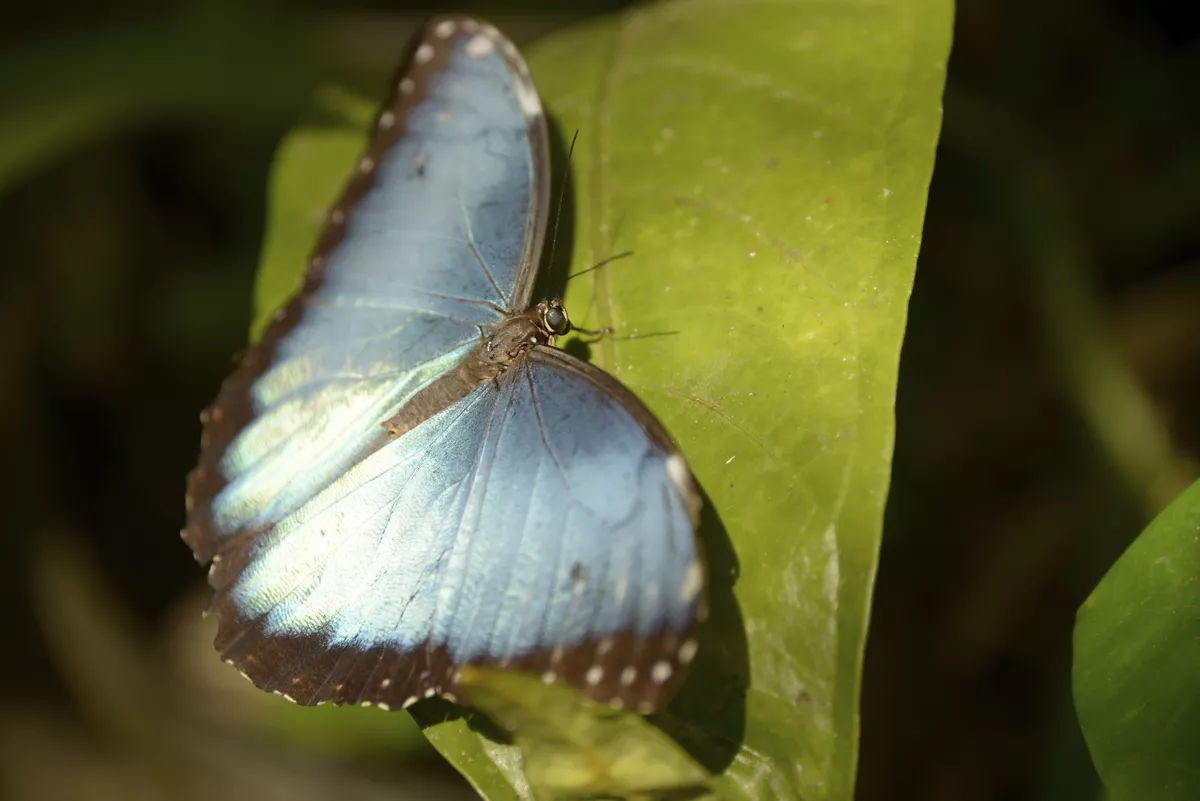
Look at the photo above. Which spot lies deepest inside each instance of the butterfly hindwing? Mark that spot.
(613, 501)
(542, 522)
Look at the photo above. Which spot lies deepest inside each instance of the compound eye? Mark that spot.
(556, 320)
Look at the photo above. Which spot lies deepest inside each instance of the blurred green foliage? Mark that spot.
(1045, 411)
(1137, 659)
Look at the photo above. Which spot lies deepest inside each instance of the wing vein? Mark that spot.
(471, 479)
(542, 431)
(508, 646)
(471, 242)
(499, 438)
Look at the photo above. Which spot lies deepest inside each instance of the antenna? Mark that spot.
(601, 263)
(562, 193)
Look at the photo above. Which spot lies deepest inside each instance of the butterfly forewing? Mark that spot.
(437, 233)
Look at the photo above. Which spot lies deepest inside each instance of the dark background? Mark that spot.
(1048, 386)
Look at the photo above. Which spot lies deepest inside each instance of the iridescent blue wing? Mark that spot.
(437, 235)
(545, 521)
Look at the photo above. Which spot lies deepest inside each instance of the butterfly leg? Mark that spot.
(595, 335)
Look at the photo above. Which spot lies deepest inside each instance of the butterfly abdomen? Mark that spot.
(497, 351)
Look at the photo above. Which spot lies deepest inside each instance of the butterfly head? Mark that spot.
(551, 317)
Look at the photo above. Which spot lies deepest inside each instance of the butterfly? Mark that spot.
(405, 476)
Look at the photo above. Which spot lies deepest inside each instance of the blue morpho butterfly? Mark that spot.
(405, 476)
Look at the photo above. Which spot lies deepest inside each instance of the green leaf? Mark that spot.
(767, 163)
(1137, 662)
(575, 748)
(475, 749)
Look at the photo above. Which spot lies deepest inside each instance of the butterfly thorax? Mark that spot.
(500, 349)
(507, 344)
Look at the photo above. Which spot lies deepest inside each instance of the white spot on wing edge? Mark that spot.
(681, 478)
(444, 29)
(660, 672)
(595, 674)
(527, 96)
(424, 53)
(687, 651)
(407, 85)
(387, 119)
(481, 45)
(677, 471)
(628, 675)
(693, 580)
